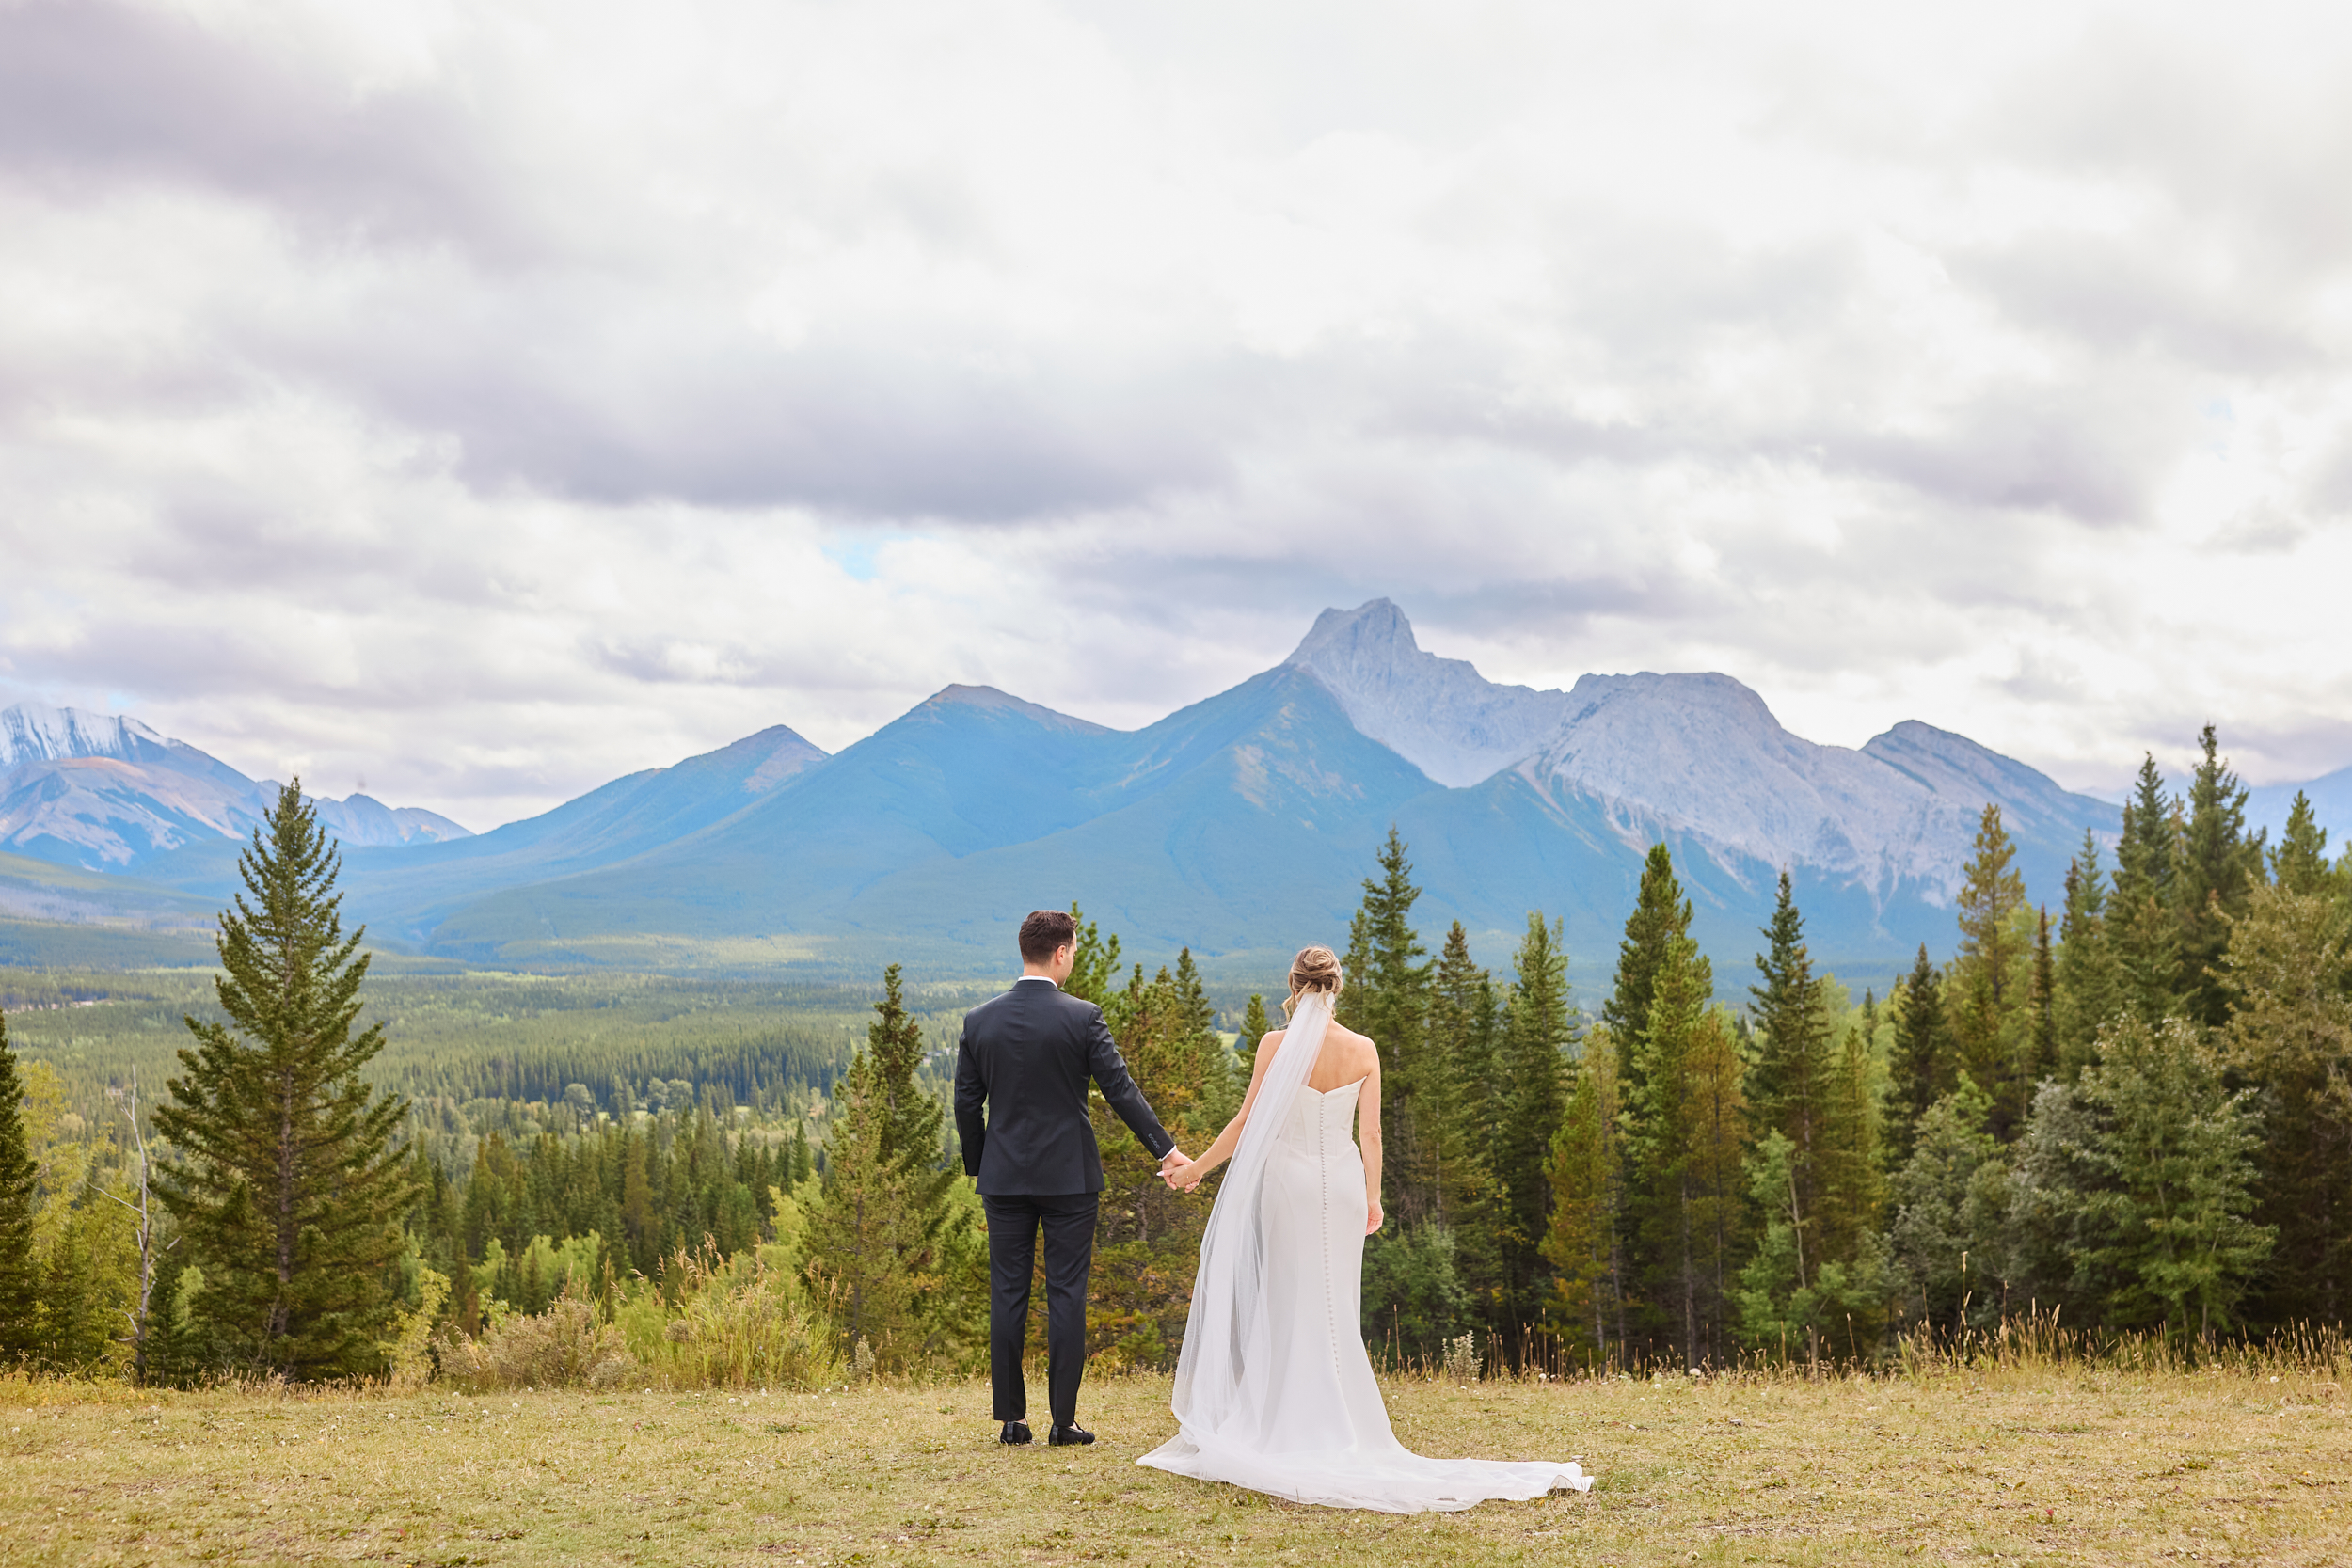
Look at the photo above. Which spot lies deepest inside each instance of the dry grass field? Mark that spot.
(2037, 1464)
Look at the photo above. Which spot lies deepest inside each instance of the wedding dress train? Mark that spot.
(1274, 1390)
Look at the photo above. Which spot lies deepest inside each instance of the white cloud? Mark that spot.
(490, 400)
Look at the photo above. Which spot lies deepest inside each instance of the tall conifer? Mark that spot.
(1538, 1038)
(287, 1185)
(2143, 923)
(19, 1276)
(1991, 982)
(1919, 1069)
(1661, 913)
(2219, 865)
(1255, 1026)
(2299, 863)
(1387, 997)
(2089, 984)
(1787, 1082)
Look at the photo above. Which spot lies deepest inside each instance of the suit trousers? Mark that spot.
(1013, 1222)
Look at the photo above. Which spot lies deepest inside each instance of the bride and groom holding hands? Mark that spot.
(1273, 1389)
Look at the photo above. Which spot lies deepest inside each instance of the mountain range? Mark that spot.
(1242, 825)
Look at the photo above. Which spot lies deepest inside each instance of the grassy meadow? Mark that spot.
(2038, 1463)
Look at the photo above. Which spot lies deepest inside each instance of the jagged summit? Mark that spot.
(36, 731)
(1439, 713)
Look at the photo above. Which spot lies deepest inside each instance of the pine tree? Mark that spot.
(2089, 988)
(1661, 913)
(1255, 1026)
(1387, 998)
(1584, 1176)
(870, 1243)
(1221, 1090)
(1537, 1040)
(2290, 1037)
(1853, 1214)
(2299, 863)
(1921, 1069)
(2220, 866)
(1464, 1029)
(19, 1273)
(1789, 1081)
(1684, 1149)
(802, 1163)
(2041, 1048)
(2143, 927)
(2177, 1147)
(1991, 983)
(287, 1187)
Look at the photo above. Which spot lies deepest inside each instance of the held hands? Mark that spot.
(1174, 1159)
(1180, 1171)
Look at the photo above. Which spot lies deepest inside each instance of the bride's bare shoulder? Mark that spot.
(1361, 1046)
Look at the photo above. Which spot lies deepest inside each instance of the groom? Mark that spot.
(1027, 1054)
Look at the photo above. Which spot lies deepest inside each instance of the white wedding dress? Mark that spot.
(1274, 1390)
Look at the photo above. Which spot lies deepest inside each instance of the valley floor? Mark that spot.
(2054, 1465)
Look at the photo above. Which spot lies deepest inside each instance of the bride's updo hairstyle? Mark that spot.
(1316, 969)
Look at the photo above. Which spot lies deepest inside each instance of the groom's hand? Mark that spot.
(1173, 1158)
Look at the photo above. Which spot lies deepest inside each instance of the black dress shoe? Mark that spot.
(1015, 1433)
(1064, 1437)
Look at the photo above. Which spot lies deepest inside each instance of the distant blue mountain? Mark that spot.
(1241, 826)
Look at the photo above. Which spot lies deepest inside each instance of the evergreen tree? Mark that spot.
(1220, 1091)
(870, 1244)
(1537, 1040)
(1684, 1151)
(2290, 1037)
(2089, 988)
(2042, 1047)
(1387, 998)
(1851, 1169)
(2143, 927)
(2299, 863)
(288, 1188)
(2219, 865)
(19, 1273)
(1255, 1026)
(1919, 1069)
(1789, 1079)
(1584, 1175)
(1991, 983)
(802, 1164)
(1660, 914)
(1951, 1201)
(2177, 1149)
(1465, 1030)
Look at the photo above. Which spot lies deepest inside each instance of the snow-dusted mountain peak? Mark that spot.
(1439, 714)
(36, 731)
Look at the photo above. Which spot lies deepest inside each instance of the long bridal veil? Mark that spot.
(1273, 1389)
(1228, 1330)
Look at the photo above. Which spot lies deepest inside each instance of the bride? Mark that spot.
(1274, 1391)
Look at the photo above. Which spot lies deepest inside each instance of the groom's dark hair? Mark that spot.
(1043, 932)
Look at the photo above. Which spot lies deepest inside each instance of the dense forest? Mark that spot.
(2128, 1111)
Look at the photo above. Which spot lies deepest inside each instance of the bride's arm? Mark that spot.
(1368, 1140)
(1186, 1178)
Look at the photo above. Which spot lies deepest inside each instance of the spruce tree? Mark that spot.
(2042, 1052)
(1684, 1149)
(20, 1299)
(2089, 988)
(1255, 1026)
(1537, 1040)
(287, 1185)
(2299, 863)
(2219, 864)
(871, 1242)
(1919, 1069)
(1464, 1027)
(1387, 998)
(2290, 1038)
(2143, 926)
(1585, 1176)
(1660, 914)
(1789, 1081)
(1991, 983)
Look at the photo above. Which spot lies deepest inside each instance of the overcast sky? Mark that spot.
(488, 399)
